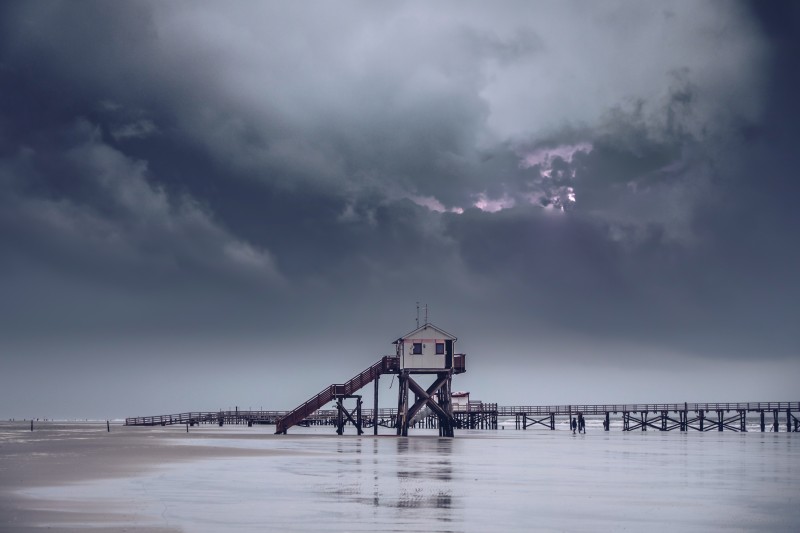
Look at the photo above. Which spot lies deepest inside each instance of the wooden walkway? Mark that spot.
(665, 416)
(771, 416)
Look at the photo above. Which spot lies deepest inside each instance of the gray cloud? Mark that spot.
(615, 175)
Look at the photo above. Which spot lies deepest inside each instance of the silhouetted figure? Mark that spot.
(574, 425)
(581, 424)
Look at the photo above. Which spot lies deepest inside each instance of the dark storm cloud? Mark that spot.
(610, 173)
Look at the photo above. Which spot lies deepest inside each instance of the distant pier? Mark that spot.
(770, 416)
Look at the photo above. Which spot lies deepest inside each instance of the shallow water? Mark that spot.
(479, 481)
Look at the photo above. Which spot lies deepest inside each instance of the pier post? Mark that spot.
(702, 420)
(685, 425)
(720, 416)
(775, 420)
(743, 421)
(358, 415)
(402, 404)
(405, 406)
(375, 408)
(788, 421)
(552, 421)
(339, 416)
(606, 423)
(763, 426)
(445, 402)
(644, 420)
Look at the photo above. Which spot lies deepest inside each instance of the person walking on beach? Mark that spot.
(581, 424)
(574, 425)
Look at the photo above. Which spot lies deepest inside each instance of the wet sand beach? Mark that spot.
(74, 477)
(63, 454)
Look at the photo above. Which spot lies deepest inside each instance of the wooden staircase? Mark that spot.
(386, 365)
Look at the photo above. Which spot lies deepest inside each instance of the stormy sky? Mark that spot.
(212, 204)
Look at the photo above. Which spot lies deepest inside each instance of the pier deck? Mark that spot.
(772, 416)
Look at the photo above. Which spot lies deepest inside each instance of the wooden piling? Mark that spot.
(375, 408)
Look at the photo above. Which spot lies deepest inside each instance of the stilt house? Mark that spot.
(426, 349)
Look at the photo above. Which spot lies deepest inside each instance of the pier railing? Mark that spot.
(601, 409)
(312, 408)
(204, 417)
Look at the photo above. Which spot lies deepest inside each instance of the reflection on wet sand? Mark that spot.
(417, 475)
(425, 475)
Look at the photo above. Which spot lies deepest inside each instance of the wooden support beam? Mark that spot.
(445, 402)
(402, 404)
(343, 415)
(425, 397)
(339, 416)
(375, 408)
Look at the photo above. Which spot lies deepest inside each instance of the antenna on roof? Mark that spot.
(417, 314)
(426, 313)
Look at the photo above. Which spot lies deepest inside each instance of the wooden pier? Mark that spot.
(430, 351)
(770, 416)
(665, 417)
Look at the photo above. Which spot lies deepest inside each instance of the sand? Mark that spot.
(58, 454)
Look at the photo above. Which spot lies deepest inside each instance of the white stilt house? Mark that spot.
(427, 349)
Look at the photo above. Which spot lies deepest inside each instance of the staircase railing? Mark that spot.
(386, 364)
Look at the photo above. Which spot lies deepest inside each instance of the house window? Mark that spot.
(417, 349)
(439, 348)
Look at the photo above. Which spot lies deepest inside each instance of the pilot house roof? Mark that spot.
(419, 330)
